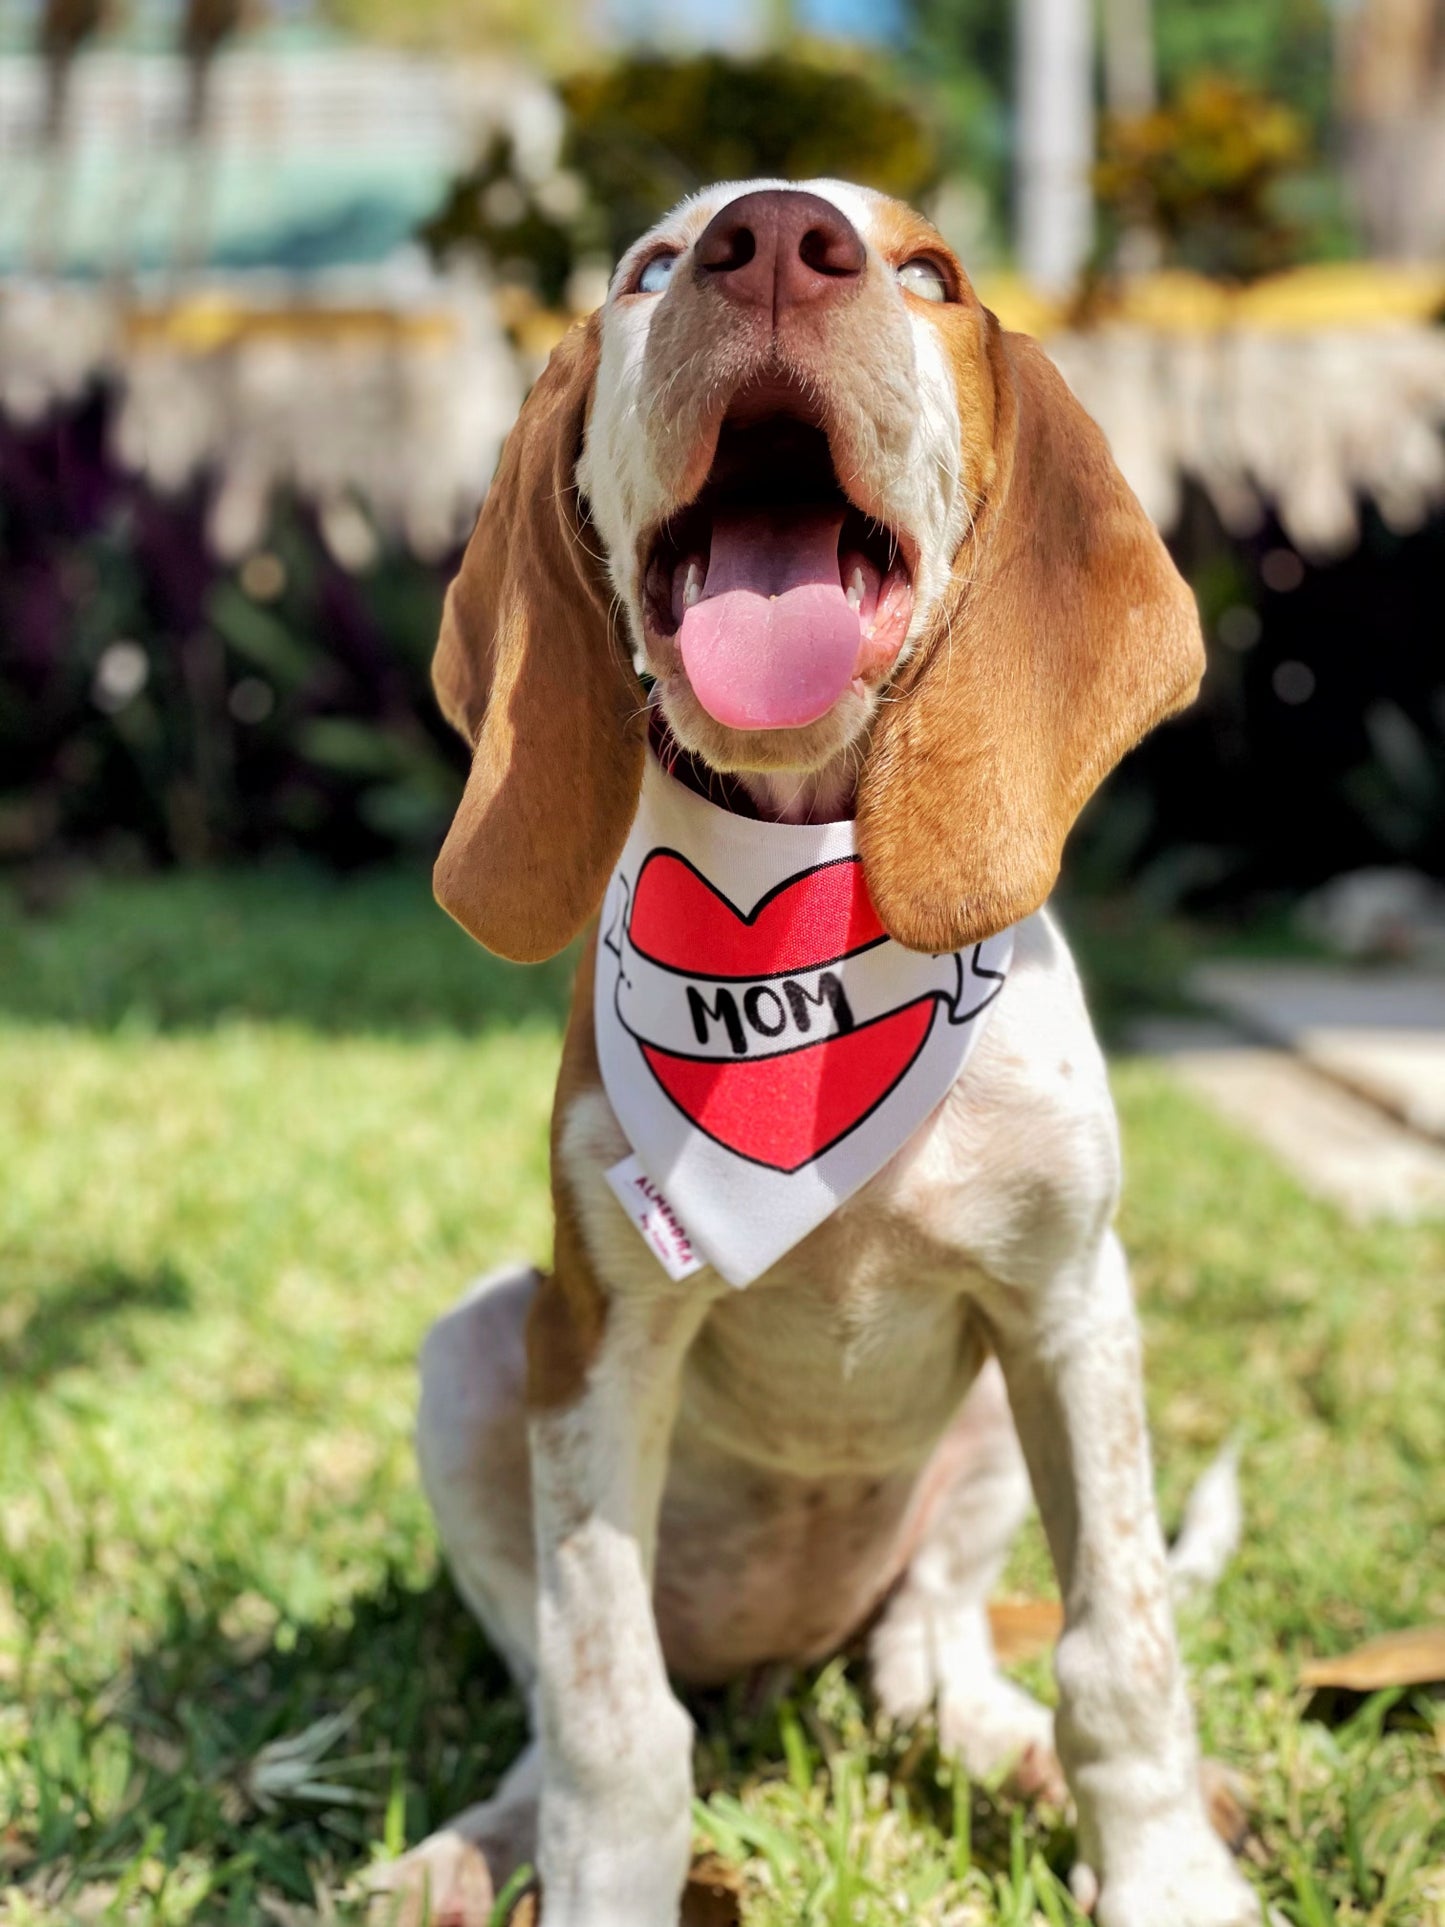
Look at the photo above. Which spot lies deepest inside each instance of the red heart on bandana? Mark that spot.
(786, 1110)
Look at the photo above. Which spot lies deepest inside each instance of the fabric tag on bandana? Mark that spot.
(764, 1042)
(655, 1219)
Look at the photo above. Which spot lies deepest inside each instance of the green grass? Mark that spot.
(255, 1134)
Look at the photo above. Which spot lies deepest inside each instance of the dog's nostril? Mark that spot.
(828, 251)
(731, 250)
(778, 247)
(814, 249)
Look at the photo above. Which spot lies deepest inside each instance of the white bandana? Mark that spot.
(765, 1044)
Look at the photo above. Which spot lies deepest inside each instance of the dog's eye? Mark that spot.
(924, 278)
(656, 275)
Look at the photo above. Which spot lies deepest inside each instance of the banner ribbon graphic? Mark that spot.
(732, 1019)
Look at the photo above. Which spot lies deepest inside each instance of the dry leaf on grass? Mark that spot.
(1226, 1801)
(713, 1895)
(1024, 1628)
(1415, 1657)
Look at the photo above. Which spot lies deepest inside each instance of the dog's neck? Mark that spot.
(803, 796)
(772, 796)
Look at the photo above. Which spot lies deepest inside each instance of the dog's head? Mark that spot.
(852, 531)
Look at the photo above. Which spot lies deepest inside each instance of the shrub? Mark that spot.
(642, 134)
(156, 704)
(1204, 176)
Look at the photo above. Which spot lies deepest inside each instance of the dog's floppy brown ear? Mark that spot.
(1066, 634)
(530, 672)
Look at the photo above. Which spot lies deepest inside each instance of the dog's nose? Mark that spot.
(779, 248)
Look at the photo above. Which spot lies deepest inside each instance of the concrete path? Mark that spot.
(1341, 1146)
(1380, 1033)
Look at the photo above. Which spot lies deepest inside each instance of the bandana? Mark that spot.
(764, 1042)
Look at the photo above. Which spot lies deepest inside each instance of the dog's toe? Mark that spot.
(1195, 1885)
(1038, 1775)
(995, 1728)
(445, 1882)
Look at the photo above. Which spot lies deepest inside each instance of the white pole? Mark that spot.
(1055, 148)
(1130, 82)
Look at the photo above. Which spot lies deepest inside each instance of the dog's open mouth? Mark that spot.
(781, 594)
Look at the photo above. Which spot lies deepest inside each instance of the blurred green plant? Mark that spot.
(1203, 175)
(646, 132)
(1285, 49)
(532, 232)
(649, 130)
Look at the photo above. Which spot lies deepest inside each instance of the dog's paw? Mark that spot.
(1178, 1883)
(1037, 1774)
(445, 1882)
(998, 1729)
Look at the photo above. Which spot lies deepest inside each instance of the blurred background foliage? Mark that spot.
(1283, 49)
(160, 706)
(645, 132)
(1234, 168)
(1204, 177)
(1317, 746)
(156, 706)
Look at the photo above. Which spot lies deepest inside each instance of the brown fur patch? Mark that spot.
(569, 1311)
(529, 671)
(900, 233)
(1066, 634)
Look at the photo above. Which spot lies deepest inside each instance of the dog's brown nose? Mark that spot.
(778, 248)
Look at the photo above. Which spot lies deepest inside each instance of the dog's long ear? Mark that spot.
(1065, 635)
(529, 671)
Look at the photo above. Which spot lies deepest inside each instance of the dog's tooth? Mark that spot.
(855, 589)
(692, 587)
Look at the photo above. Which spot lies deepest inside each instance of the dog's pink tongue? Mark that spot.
(773, 642)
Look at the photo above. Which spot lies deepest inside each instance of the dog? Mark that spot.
(636, 1474)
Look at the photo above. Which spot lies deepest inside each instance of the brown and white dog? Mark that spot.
(634, 1476)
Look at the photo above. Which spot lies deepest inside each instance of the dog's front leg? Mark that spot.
(1071, 1354)
(615, 1816)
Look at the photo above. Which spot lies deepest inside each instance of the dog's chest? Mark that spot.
(850, 1359)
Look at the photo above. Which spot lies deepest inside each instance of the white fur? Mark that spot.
(749, 1474)
(615, 1821)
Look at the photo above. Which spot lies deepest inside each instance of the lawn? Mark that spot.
(256, 1133)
